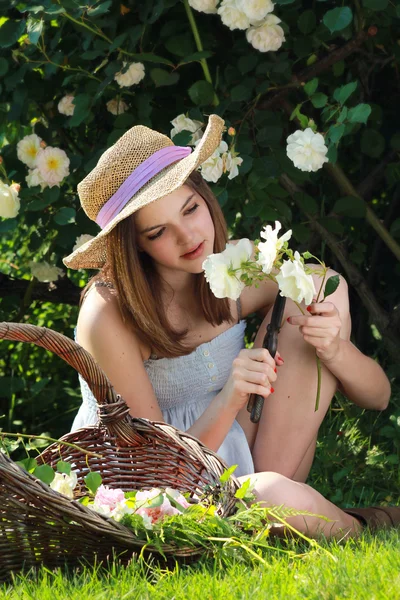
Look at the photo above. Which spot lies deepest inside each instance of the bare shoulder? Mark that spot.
(257, 299)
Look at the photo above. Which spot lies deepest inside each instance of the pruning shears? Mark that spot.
(256, 402)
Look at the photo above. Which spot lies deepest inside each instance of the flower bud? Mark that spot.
(372, 30)
(43, 144)
(231, 131)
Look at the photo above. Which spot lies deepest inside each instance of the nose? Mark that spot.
(184, 235)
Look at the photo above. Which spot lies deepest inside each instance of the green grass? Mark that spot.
(366, 569)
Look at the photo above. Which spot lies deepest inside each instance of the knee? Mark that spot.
(274, 489)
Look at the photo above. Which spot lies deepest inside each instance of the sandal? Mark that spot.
(376, 517)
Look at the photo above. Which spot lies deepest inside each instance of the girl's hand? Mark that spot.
(252, 372)
(321, 328)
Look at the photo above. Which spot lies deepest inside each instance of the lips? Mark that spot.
(192, 250)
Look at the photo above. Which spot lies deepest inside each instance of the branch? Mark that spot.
(62, 291)
(378, 315)
(373, 178)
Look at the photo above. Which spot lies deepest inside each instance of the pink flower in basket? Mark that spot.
(151, 515)
(111, 503)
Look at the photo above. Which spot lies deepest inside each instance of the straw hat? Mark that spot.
(118, 166)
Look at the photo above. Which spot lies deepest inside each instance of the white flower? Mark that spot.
(216, 268)
(294, 282)
(232, 15)
(116, 106)
(53, 165)
(64, 484)
(183, 123)
(270, 248)
(45, 272)
(212, 168)
(267, 35)
(307, 150)
(9, 201)
(132, 76)
(256, 10)
(28, 148)
(232, 163)
(65, 106)
(82, 239)
(34, 178)
(205, 6)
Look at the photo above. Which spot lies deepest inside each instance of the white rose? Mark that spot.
(212, 168)
(256, 10)
(217, 268)
(266, 36)
(64, 484)
(132, 76)
(232, 14)
(294, 282)
(34, 178)
(81, 239)
(45, 272)
(231, 164)
(120, 510)
(9, 201)
(183, 123)
(65, 106)
(53, 165)
(116, 106)
(28, 148)
(270, 248)
(205, 6)
(307, 150)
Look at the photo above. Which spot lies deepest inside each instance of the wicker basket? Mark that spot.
(39, 526)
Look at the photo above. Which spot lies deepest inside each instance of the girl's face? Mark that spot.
(176, 231)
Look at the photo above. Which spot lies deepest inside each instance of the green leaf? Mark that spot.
(82, 104)
(359, 114)
(350, 206)
(241, 492)
(45, 473)
(247, 63)
(180, 45)
(338, 18)
(156, 501)
(10, 32)
(201, 92)
(65, 216)
(376, 4)
(306, 203)
(182, 138)
(311, 86)
(196, 57)
(332, 224)
(3, 66)
(319, 100)
(8, 225)
(149, 57)
(34, 28)
(344, 92)
(240, 93)
(372, 143)
(29, 464)
(93, 481)
(303, 119)
(307, 21)
(227, 473)
(162, 77)
(335, 132)
(64, 467)
(101, 9)
(331, 285)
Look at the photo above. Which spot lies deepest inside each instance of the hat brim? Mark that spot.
(92, 254)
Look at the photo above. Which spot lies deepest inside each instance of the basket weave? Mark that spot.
(39, 526)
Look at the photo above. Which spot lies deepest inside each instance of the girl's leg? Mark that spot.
(274, 489)
(284, 441)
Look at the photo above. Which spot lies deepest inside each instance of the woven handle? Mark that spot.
(74, 355)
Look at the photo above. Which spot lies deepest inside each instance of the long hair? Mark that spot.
(138, 285)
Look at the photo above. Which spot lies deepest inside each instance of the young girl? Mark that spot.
(176, 353)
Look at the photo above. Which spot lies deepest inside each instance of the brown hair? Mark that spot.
(138, 285)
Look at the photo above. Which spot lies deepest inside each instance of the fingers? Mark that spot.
(257, 354)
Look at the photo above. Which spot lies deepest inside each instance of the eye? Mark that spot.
(192, 209)
(157, 235)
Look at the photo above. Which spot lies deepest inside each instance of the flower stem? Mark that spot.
(4, 434)
(319, 379)
(199, 46)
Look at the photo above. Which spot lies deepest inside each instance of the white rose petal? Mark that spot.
(9, 201)
(205, 6)
(212, 168)
(116, 106)
(216, 269)
(307, 150)
(231, 164)
(45, 272)
(133, 75)
(293, 281)
(28, 148)
(256, 10)
(270, 248)
(53, 165)
(183, 123)
(266, 36)
(81, 239)
(64, 484)
(34, 178)
(232, 15)
(65, 106)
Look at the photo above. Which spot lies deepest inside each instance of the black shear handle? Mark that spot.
(256, 402)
